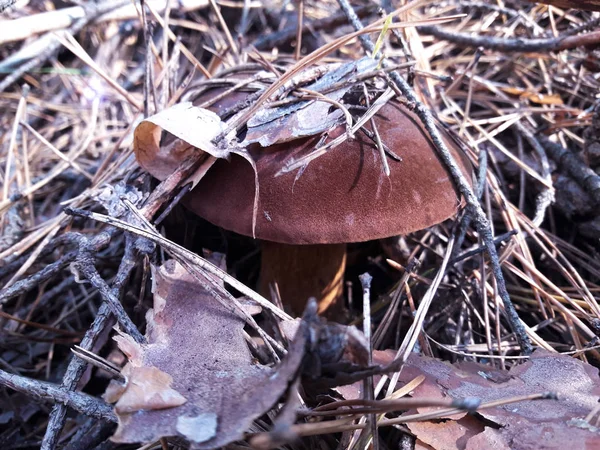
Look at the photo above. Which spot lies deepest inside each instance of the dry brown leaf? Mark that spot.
(147, 388)
(523, 425)
(195, 378)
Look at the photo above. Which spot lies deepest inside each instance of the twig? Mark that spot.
(546, 197)
(473, 205)
(466, 218)
(497, 240)
(5, 4)
(572, 165)
(513, 45)
(50, 392)
(90, 435)
(36, 279)
(84, 264)
(77, 366)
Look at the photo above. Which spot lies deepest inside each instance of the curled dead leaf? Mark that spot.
(147, 389)
(194, 127)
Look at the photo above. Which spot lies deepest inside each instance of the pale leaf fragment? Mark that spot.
(147, 389)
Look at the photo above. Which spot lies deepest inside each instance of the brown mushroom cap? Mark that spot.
(343, 195)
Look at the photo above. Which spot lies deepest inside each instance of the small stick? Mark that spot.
(84, 264)
(546, 197)
(467, 217)
(37, 278)
(513, 45)
(50, 392)
(365, 281)
(77, 366)
(497, 240)
(572, 165)
(483, 225)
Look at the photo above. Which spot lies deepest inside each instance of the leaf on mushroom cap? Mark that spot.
(271, 126)
(198, 361)
(195, 129)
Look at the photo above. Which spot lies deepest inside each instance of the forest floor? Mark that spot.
(129, 321)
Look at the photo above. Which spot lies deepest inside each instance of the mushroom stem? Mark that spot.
(304, 271)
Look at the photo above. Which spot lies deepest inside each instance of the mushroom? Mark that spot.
(306, 219)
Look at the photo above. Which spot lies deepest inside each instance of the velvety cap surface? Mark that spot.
(342, 196)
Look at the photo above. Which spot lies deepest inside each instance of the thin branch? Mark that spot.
(572, 165)
(519, 45)
(77, 366)
(482, 223)
(50, 392)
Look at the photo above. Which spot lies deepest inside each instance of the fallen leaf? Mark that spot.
(195, 129)
(523, 425)
(195, 378)
(147, 388)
